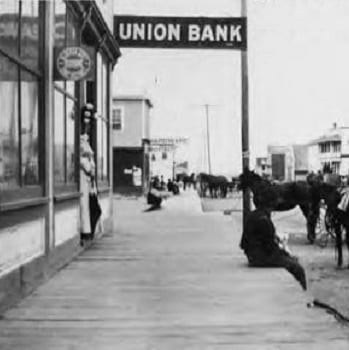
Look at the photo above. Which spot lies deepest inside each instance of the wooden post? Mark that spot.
(246, 205)
(208, 139)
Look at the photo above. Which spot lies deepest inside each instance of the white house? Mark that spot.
(332, 149)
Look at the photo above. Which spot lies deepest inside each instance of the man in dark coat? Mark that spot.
(260, 242)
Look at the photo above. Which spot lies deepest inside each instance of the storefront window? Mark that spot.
(60, 23)
(70, 140)
(9, 24)
(19, 146)
(9, 136)
(20, 77)
(59, 131)
(65, 111)
(29, 129)
(30, 33)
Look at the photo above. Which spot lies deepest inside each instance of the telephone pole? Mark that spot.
(207, 106)
(246, 204)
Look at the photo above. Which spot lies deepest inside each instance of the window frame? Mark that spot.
(102, 183)
(122, 118)
(61, 189)
(24, 193)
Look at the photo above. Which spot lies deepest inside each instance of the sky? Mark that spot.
(298, 69)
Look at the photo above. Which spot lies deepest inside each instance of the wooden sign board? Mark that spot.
(181, 32)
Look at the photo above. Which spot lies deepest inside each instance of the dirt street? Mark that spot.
(326, 282)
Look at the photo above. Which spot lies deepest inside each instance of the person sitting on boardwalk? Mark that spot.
(260, 243)
(155, 195)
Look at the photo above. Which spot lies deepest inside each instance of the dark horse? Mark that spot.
(289, 195)
(188, 180)
(339, 219)
(216, 185)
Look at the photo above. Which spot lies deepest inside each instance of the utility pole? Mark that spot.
(208, 139)
(246, 204)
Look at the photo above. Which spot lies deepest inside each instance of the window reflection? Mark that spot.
(60, 14)
(30, 33)
(70, 143)
(72, 32)
(29, 129)
(59, 138)
(9, 24)
(9, 140)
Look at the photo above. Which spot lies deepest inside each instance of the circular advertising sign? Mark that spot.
(74, 63)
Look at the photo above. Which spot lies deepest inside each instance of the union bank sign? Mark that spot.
(181, 32)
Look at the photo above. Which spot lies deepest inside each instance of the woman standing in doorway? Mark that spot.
(87, 172)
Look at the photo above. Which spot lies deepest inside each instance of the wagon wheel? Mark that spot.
(324, 228)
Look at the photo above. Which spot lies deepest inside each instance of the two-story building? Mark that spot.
(284, 162)
(332, 150)
(130, 138)
(55, 56)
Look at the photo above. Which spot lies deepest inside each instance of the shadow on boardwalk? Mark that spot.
(168, 279)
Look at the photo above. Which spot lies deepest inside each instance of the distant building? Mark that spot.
(294, 162)
(282, 162)
(130, 139)
(331, 149)
(301, 159)
(166, 157)
(262, 166)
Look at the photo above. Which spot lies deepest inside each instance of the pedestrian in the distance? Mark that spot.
(155, 195)
(260, 243)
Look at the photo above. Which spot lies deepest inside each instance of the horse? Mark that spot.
(216, 185)
(338, 211)
(289, 195)
(188, 180)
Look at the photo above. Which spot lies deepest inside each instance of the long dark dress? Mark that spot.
(261, 246)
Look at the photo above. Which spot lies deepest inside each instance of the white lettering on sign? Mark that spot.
(218, 33)
(221, 33)
(138, 31)
(194, 32)
(181, 32)
(235, 33)
(174, 32)
(207, 34)
(124, 31)
(158, 32)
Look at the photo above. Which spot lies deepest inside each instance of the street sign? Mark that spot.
(181, 32)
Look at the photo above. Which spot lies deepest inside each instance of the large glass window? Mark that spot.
(59, 127)
(65, 105)
(9, 26)
(29, 128)
(9, 130)
(20, 78)
(29, 36)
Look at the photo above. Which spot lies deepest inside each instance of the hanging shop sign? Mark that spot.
(170, 141)
(74, 63)
(181, 32)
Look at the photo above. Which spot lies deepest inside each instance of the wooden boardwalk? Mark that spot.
(169, 279)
